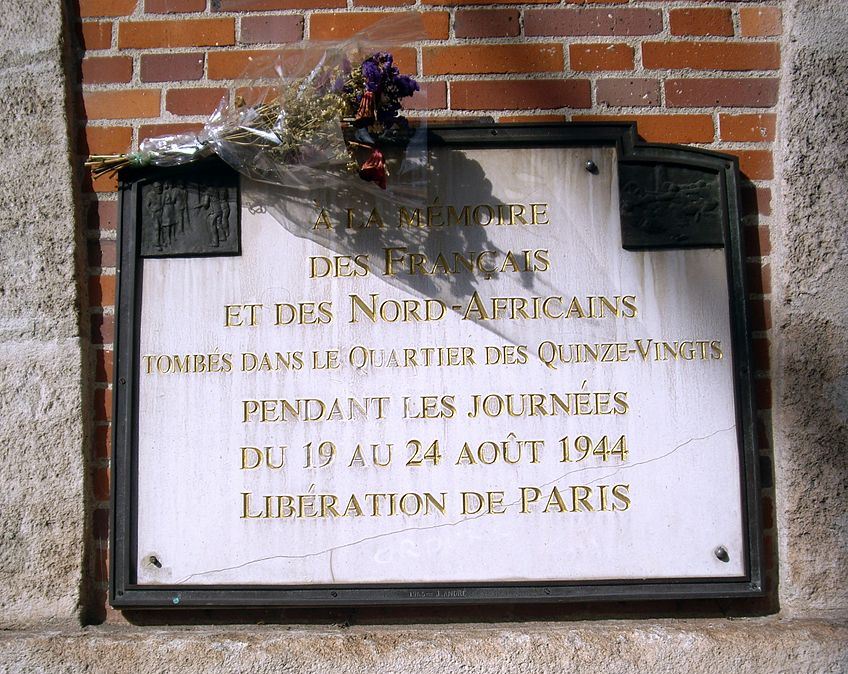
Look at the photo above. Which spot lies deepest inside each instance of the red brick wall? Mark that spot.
(703, 72)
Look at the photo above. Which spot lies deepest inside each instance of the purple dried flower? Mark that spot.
(373, 75)
(406, 86)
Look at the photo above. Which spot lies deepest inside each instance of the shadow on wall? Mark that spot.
(429, 241)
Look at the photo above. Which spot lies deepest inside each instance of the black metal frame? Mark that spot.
(125, 593)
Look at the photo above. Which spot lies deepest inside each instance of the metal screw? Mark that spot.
(721, 553)
(175, 600)
(591, 167)
(334, 594)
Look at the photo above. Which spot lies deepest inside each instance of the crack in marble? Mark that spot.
(464, 520)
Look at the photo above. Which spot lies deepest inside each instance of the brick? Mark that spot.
(703, 21)
(436, 25)
(506, 58)
(103, 404)
(756, 200)
(89, 8)
(100, 480)
(173, 6)
(628, 92)
(528, 94)
(755, 164)
(255, 95)
(760, 351)
(760, 314)
(271, 5)
(156, 130)
(435, 97)
(459, 3)
(767, 509)
(598, 57)
(171, 67)
(271, 29)
(759, 278)
(101, 573)
(732, 92)
(100, 524)
(103, 184)
(760, 21)
(748, 127)
(194, 101)
(531, 119)
(102, 215)
(762, 393)
(96, 35)
(229, 65)
(106, 69)
(103, 366)
(183, 33)
(101, 290)
(550, 22)
(103, 253)
(123, 104)
(105, 140)
(711, 55)
(382, 3)
(448, 118)
(757, 243)
(769, 559)
(763, 435)
(250, 63)
(663, 128)
(486, 23)
(98, 597)
(102, 442)
(102, 328)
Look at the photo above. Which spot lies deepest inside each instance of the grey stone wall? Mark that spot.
(42, 491)
(754, 646)
(810, 304)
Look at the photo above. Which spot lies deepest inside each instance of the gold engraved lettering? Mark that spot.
(245, 507)
(313, 409)
(578, 498)
(392, 311)
(233, 317)
(303, 313)
(555, 500)
(458, 217)
(474, 503)
(338, 266)
(323, 220)
(407, 219)
(621, 493)
(276, 362)
(571, 403)
(273, 457)
(551, 307)
(539, 214)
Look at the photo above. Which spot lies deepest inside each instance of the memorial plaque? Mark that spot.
(533, 387)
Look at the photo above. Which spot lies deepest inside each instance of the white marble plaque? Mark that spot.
(488, 391)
